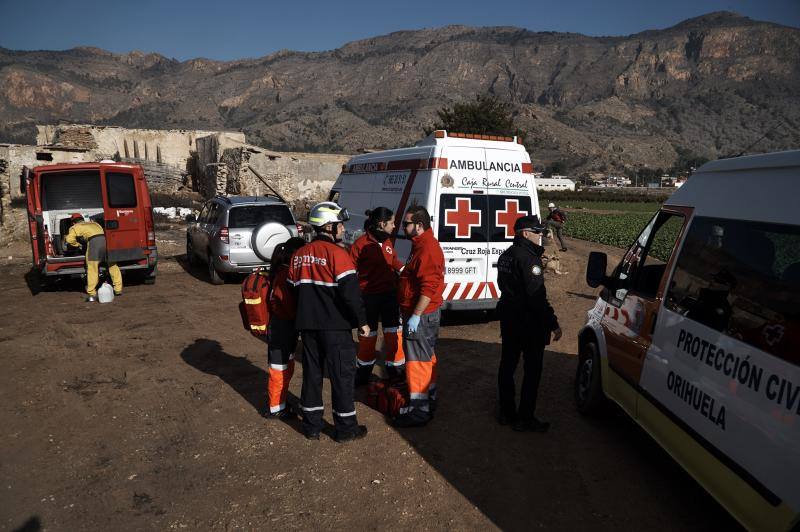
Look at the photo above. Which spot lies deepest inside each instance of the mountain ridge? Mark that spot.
(707, 86)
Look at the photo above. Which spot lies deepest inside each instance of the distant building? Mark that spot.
(552, 184)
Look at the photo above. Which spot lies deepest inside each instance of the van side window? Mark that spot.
(742, 279)
(213, 213)
(121, 190)
(203, 216)
(645, 262)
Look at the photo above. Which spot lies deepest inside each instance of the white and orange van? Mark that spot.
(474, 186)
(696, 334)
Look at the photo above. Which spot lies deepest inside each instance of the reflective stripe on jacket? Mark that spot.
(326, 287)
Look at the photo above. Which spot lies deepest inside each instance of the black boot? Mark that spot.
(363, 374)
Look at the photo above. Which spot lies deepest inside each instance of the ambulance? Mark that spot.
(696, 334)
(474, 187)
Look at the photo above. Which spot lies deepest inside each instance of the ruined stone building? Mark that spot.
(207, 162)
(228, 166)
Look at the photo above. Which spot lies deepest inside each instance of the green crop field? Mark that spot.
(617, 224)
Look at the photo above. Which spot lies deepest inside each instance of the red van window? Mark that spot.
(121, 190)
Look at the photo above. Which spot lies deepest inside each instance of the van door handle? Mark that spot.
(494, 265)
(112, 224)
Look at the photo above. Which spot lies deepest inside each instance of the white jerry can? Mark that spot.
(105, 294)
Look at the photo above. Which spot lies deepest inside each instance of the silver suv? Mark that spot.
(237, 234)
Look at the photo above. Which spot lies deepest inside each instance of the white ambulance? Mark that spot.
(696, 334)
(474, 186)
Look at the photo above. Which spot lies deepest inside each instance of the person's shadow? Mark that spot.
(247, 379)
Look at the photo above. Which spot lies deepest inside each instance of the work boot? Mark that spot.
(395, 373)
(311, 434)
(351, 435)
(505, 418)
(363, 375)
(90, 299)
(563, 249)
(117, 294)
(533, 425)
(285, 414)
(406, 421)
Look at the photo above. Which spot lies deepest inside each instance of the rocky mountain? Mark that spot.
(709, 86)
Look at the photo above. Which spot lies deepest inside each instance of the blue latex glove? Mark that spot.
(413, 323)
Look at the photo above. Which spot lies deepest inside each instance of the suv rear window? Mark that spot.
(72, 190)
(255, 215)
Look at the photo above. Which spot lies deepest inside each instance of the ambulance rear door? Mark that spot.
(462, 226)
(511, 195)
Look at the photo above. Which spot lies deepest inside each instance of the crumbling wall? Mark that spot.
(295, 176)
(174, 147)
(13, 157)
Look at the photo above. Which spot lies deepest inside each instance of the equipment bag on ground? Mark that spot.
(253, 308)
(387, 396)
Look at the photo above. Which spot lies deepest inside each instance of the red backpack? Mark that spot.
(387, 396)
(253, 308)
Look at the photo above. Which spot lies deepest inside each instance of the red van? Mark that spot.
(113, 194)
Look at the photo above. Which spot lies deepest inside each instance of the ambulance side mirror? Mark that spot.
(596, 269)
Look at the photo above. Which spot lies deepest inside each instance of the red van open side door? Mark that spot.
(31, 190)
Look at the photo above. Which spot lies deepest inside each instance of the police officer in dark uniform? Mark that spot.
(527, 322)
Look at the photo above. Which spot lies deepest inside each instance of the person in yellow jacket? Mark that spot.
(91, 234)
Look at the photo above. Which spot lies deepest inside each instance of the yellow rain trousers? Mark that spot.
(92, 234)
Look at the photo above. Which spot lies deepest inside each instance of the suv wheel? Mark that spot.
(191, 258)
(589, 395)
(213, 275)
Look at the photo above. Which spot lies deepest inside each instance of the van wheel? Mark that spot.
(589, 395)
(213, 274)
(150, 276)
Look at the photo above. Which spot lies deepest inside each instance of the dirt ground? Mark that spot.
(146, 414)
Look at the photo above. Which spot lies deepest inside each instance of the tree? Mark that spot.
(485, 116)
(557, 168)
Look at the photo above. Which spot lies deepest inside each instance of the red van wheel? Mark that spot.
(589, 395)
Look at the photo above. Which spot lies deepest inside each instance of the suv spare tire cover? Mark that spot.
(266, 236)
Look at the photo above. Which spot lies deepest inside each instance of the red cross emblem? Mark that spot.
(463, 218)
(509, 216)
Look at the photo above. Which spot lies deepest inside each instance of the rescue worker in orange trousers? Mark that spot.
(420, 296)
(329, 307)
(377, 267)
(282, 334)
(92, 234)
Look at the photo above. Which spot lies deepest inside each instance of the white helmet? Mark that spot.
(327, 212)
(551, 205)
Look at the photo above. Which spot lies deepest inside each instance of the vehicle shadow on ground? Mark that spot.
(246, 379)
(467, 317)
(196, 270)
(31, 525)
(521, 480)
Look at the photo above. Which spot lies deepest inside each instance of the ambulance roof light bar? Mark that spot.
(442, 134)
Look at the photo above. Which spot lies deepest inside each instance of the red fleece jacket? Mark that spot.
(423, 274)
(376, 264)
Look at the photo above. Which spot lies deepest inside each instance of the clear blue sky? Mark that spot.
(231, 29)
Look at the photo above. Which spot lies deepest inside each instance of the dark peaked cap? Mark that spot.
(528, 222)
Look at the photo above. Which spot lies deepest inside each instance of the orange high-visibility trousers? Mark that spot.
(280, 356)
(421, 372)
